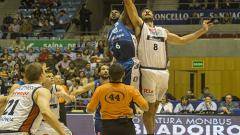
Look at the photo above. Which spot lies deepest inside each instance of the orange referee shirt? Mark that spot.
(115, 100)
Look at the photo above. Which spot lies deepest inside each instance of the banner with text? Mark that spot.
(183, 16)
(168, 125)
(51, 43)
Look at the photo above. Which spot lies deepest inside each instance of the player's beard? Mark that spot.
(104, 77)
(148, 19)
(113, 21)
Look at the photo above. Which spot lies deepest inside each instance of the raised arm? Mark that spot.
(177, 40)
(83, 89)
(42, 97)
(132, 12)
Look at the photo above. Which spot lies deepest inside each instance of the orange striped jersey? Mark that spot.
(21, 112)
(115, 99)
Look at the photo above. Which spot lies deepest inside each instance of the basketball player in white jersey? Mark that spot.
(28, 105)
(152, 53)
(56, 91)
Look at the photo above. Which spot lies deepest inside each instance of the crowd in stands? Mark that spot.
(36, 18)
(215, 5)
(208, 4)
(206, 104)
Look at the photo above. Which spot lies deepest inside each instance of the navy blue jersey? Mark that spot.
(121, 42)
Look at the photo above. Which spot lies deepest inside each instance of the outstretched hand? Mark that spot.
(206, 25)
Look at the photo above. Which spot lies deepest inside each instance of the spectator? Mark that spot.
(70, 71)
(62, 65)
(88, 71)
(86, 55)
(70, 53)
(85, 19)
(206, 92)
(14, 28)
(82, 77)
(23, 61)
(19, 44)
(58, 54)
(169, 96)
(43, 56)
(3, 89)
(228, 105)
(165, 106)
(26, 28)
(30, 55)
(80, 62)
(190, 95)
(16, 72)
(51, 62)
(4, 29)
(17, 54)
(184, 106)
(10, 62)
(4, 74)
(62, 19)
(207, 105)
(100, 48)
(4, 55)
(46, 29)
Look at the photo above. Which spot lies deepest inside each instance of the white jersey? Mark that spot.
(21, 113)
(152, 50)
(54, 104)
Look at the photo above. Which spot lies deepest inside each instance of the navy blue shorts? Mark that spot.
(98, 125)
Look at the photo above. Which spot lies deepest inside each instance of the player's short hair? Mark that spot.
(116, 72)
(100, 67)
(33, 72)
(145, 9)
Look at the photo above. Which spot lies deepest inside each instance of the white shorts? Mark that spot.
(135, 75)
(46, 129)
(154, 84)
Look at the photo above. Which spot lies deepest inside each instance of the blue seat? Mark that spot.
(236, 111)
(174, 103)
(195, 103)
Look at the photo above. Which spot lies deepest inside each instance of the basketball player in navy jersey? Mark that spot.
(152, 55)
(104, 78)
(121, 43)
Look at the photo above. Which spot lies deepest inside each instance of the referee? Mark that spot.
(115, 98)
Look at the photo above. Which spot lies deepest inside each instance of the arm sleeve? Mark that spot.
(138, 98)
(94, 101)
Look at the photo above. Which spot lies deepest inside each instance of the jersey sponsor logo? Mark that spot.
(147, 91)
(6, 119)
(114, 97)
(20, 93)
(155, 38)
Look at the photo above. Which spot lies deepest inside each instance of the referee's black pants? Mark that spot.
(118, 127)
